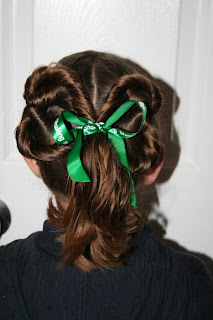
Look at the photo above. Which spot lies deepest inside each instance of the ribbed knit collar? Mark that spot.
(48, 242)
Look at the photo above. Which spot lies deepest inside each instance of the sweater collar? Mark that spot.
(48, 239)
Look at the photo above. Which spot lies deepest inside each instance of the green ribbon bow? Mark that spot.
(86, 127)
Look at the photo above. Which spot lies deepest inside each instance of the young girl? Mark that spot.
(90, 131)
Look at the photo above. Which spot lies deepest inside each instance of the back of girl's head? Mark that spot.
(95, 219)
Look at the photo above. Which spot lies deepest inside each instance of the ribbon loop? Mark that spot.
(85, 127)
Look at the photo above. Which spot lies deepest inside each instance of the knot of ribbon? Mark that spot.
(63, 136)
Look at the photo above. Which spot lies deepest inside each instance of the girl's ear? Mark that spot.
(153, 174)
(32, 164)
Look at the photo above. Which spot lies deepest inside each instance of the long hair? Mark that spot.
(98, 221)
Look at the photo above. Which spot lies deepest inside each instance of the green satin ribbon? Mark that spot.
(86, 127)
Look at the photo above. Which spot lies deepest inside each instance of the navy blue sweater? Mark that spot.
(156, 283)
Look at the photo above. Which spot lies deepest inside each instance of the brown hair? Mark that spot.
(98, 222)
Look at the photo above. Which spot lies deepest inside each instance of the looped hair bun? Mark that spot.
(144, 149)
(134, 87)
(48, 91)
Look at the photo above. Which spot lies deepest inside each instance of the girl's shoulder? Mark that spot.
(183, 277)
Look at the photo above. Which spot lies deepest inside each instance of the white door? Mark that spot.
(170, 39)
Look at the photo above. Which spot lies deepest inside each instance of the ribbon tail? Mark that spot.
(120, 147)
(74, 164)
(133, 200)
